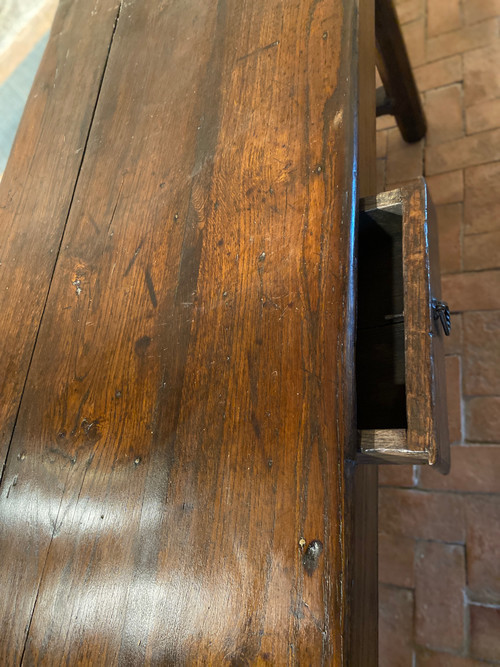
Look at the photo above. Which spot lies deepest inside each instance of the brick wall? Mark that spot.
(439, 539)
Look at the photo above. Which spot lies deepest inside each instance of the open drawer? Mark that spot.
(401, 391)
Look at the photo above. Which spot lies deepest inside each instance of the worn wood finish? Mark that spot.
(179, 488)
(363, 551)
(400, 347)
(425, 391)
(38, 185)
(396, 74)
(387, 446)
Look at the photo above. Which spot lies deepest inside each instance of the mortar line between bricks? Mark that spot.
(467, 612)
(448, 492)
(480, 396)
(495, 269)
(488, 231)
(466, 50)
(425, 541)
(475, 603)
(399, 588)
(446, 85)
(476, 442)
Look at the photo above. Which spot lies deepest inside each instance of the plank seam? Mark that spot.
(28, 627)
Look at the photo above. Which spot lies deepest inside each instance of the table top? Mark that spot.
(177, 233)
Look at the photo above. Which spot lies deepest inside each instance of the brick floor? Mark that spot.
(439, 544)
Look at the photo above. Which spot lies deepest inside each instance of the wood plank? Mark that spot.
(387, 446)
(189, 407)
(37, 187)
(363, 549)
(425, 364)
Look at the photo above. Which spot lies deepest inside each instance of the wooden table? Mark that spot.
(177, 289)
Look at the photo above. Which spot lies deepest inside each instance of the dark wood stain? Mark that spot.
(188, 415)
(38, 186)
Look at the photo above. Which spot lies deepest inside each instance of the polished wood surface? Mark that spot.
(395, 71)
(180, 485)
(38, 186)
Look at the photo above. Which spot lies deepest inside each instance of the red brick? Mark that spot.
(482, 198)
(395, 626)
(385, 122)
(409, 10)
(444, 125)
(395, 560)
(481, 251)
(482, 74)
(460, 170)
(472, 291)
(439, 73)
(483, 419)
(396, 475)
(471, 150)
(414, 36)
(404, 161)
(461, 40)
(439, 595)
(474, 468)
(433, 659)
(449, 219)
(446, 188)
(483, 116)
(443, 16)
(421, 514)
(454, 397)
(453, 342)
(482, 353)
(479, 10)
(485, 632)
(483, 548)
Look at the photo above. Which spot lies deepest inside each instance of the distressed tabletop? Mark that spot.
(176, 352)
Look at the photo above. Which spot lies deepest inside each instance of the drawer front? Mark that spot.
(402, 321)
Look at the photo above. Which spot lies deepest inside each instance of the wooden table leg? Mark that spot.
(395, 71)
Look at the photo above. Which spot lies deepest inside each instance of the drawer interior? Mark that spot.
(380, 350)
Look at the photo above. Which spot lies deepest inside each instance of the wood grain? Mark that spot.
(425, 368)
(387, 446)
(178, 488)
(37, 187)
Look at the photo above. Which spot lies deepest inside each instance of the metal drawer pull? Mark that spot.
(442, 313)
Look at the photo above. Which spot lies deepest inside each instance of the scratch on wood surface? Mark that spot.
(134, 257)
(261, 48)
(150, 286)
(116, 204)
